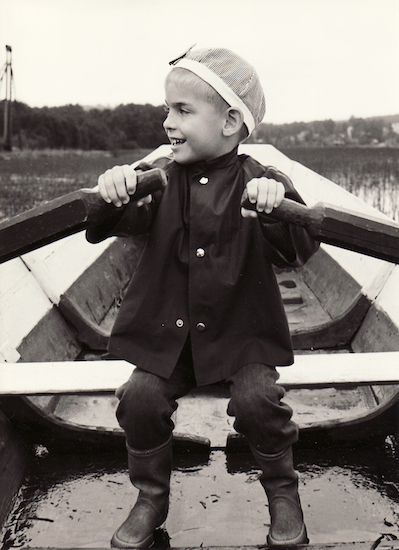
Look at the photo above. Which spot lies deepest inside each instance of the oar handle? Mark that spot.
(288, 211)
(337, 226)
(65, 216)
(148, 182)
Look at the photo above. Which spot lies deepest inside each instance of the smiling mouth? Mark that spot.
(176, 142)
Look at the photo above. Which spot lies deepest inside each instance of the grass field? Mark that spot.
(28, 178)
(369, 173)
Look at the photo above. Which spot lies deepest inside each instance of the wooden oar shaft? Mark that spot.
(80, 209)
(65, 216)
(340, 227)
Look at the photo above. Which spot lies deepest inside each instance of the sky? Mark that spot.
(317, 59)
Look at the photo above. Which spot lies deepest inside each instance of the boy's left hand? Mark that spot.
(267, 193)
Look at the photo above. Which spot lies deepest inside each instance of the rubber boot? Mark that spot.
(280, 481)
(149, 472)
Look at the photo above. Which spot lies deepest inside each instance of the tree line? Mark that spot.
(373, 131)
(73, 127)
(140, 126)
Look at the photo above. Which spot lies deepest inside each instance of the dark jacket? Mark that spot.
(206, 271)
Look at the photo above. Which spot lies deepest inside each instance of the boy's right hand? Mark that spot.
(117, 184)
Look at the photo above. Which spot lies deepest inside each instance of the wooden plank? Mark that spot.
(22, 303)
(58, 265)
(380, 328)
(384, 544)
(104, 376)
(14, 457)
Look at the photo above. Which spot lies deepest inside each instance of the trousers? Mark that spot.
(147, 402)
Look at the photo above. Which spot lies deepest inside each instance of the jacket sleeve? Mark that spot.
(287, 245)
(127, 220)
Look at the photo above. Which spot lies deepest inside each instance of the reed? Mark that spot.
(369, 173)
(29, 178)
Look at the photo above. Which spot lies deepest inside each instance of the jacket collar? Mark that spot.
(220, 162)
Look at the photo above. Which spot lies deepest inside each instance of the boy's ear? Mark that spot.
(233, 122)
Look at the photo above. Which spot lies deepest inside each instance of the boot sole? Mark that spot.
(116, 542)
(302, 538)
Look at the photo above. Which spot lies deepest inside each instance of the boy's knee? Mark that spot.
(256, 403)
(254, 389)
(139, 394)
(144, 411)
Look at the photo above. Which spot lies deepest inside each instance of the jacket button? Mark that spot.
(179, 323)
(200, 326)
(204, 180)
(200, 252)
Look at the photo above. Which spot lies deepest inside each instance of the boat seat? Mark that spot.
(308, 371)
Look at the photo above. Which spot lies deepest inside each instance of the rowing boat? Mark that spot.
(69, 291)
(58, 304)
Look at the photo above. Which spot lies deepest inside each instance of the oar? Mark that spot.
(340, 227)
(80, 209)
(65, 216)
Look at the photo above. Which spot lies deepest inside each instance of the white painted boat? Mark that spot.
(58, 304)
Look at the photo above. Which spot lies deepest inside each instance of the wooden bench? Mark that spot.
(315, 370)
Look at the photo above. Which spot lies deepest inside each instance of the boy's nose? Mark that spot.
(168, 123)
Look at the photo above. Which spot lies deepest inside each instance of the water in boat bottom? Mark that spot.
(347, 494)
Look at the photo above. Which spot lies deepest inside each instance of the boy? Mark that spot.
(203, 305)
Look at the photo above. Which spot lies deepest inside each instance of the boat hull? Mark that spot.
(339, 301)
(69, 291)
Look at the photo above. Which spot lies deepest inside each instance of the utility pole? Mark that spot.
(7, 72)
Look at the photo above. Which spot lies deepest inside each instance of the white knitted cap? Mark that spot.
(232, 77)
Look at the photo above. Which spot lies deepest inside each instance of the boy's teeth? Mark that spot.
(177, 141)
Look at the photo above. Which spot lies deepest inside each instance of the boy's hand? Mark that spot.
(267, 193)
(117, 184)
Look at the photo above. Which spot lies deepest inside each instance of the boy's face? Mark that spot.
(193, 125)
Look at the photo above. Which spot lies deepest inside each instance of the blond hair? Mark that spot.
(205, 90)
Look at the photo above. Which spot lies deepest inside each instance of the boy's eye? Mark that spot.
(166, 109)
